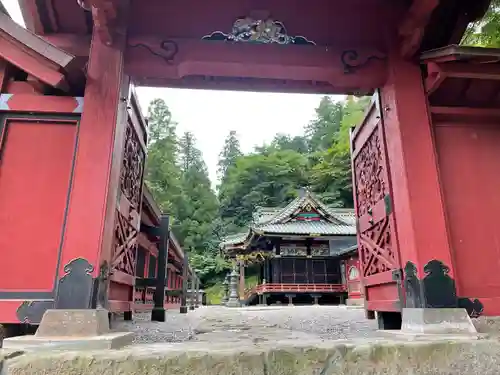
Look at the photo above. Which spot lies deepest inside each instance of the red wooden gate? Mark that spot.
(377, 241)
(128, 210)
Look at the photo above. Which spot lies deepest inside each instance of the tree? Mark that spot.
(331, 176)
(321, 130)
(485, 32)
(200, 207)
(162, 172)
(261, 179)
(230, 152)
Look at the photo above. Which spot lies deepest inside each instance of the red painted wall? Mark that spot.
(469, 161)
(35, 175)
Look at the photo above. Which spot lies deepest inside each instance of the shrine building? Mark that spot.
(304, 252)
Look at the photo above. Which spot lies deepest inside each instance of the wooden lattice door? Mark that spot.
(128, 210)
(377, 241)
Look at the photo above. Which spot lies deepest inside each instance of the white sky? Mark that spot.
(210, 115)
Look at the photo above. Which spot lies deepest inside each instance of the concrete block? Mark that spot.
(233, 303)
(294, 357)
(73, 323)
(113, 340)
(487, 324)
(355, 302)
(437, 321)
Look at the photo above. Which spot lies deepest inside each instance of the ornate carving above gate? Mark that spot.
(353, 60)
(253, 30)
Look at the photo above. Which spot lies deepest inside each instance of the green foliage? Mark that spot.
(162, 171)
(229, 154)
(265, 179)
(331, 175)
(214, 293)
(272, 174)
(178, 179)
(485, 32)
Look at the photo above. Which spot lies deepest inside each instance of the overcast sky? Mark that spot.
(210, 115)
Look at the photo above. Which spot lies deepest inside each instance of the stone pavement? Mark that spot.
(323, 322)
(270, 341)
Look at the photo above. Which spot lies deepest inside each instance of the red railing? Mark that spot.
(296, 288)
(143, 300)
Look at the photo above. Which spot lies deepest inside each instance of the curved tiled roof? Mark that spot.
(336, 221)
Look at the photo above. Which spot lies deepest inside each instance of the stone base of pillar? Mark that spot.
(316, 298)
(437, 321)
(158, 314)
(127, 316)
(233, 303)
(72, 329)
(355, 302)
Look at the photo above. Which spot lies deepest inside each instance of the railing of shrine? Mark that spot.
(300, 288)
(143, 298)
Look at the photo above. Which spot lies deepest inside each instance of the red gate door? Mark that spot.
(377, 242)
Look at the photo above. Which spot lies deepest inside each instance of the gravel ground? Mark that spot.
(325, 322)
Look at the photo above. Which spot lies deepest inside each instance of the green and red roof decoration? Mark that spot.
(305, 216)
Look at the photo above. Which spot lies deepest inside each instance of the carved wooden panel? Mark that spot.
(377, 246)
(132, 168)
(127, 222)
(368, 171)
(376, 250)
(125, 245)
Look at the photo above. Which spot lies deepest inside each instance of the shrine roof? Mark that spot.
(2, 9)
(461, 53)
(306, 216)
(305, 201)
(34, 55)
(465, 77)
(307, 228)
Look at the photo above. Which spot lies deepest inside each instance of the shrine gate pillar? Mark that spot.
(417, 198)
(402, 229)
(104, 205)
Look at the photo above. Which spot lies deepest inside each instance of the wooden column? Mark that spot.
(417, 198)
(158, 312)
(197, 290)
(242, 281)
(192, 276)
(184, 309)
(89, 231)
(4, 74)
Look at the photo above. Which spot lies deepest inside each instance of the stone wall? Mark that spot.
(276, 358)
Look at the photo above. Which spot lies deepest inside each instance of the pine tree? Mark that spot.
(162, 172)
(322, 129)
(199, 211)
(230, 152)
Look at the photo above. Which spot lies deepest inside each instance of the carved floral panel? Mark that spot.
(132, 168)
(371, 186)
